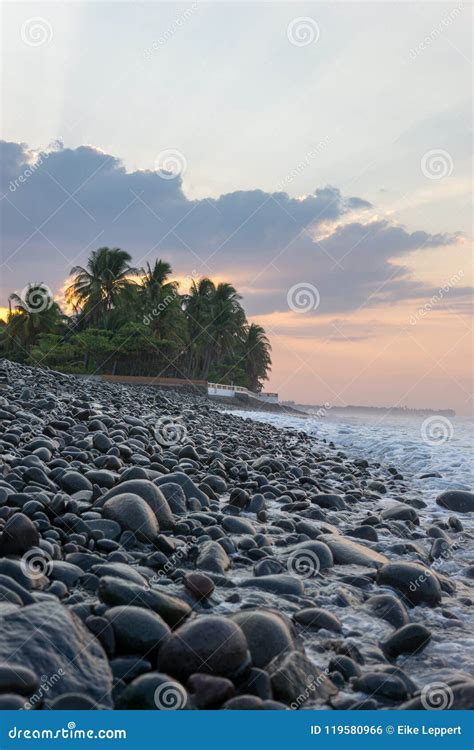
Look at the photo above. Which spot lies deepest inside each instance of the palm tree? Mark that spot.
(215, 321)
(160, 300)
(34, 313)
(228, 320)
(99, 286)
(198, 310)
(255, 354)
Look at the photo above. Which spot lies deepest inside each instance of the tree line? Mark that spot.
(134, 321)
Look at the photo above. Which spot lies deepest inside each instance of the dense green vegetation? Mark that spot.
(131, 321)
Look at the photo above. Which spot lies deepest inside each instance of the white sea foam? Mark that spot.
(397, 441)
(393, 441)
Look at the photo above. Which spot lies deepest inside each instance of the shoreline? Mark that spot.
(295, 575)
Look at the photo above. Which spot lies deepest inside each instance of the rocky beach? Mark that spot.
(157, 552)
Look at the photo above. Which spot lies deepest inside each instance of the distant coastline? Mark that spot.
(323, 409)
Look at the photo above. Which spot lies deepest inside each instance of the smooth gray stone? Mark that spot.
(48, 639)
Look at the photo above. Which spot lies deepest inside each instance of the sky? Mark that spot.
(316, 155)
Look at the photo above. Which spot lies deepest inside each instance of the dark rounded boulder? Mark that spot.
(154, 691)
(137, 630)
(459, 501)
(18, 536)
(200, 585)
(267, 634)
(388, 608)
(409, 639)
(152, 496)
(416, 583)
(133, 514)
(210, 644)
(316, 619)
(15, 678)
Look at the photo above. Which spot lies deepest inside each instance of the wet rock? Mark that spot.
(364, 532)
(416, 583)
(388, 608)
(277, 584)
(295, 679)
(137, 630)
(208, 691)
(457, 500)
(316, 619)
(200, 586)
(154, 691)
(239, 498)
(210, 644)
(189, 488)
(15, 678)
(213, 557)
(347, 552)
(18, 536)
(175, 497)
(379, 684)
(310, 557)
(331, 502)
(152, 496)
(72, 482)
(47, 639)
(114, 592)
(346, 666)
(408, 639)
(134, 514)
(267, 634)
(459, 697)
(238, 525)
(400, 512)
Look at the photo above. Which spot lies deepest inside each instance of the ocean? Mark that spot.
(415, 445)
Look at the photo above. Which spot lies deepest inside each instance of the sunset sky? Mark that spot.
(318, 157)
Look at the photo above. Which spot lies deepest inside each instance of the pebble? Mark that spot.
(210, 644)
(416, 583)
(408, 639)
(134, 514)
(267, 633)
(460, 502)
(244, 562)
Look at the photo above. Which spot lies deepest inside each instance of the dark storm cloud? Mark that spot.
(59, 206)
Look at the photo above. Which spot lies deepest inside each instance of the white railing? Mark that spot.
(219, 389)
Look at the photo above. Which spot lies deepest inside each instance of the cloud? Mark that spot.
(60, 205)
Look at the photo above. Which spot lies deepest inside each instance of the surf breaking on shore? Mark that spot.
(157, 553)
